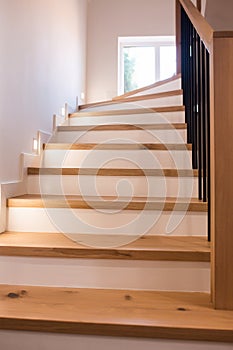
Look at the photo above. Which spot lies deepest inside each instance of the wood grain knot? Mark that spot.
(128, 297)
(23, 292)
(13, 295)
(181, 309)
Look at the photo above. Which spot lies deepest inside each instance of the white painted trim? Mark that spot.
(203, 7)
(153, 41)
(16, 188)
(57, 120)
(42, 137)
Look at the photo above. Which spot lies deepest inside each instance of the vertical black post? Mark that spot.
(208, 139)
(199, 114)
(194, 100)
(204, 120)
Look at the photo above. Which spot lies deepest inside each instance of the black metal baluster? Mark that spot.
(194, 101)
(208, 142)
(204, 121)
(199, 114)
(196, 88)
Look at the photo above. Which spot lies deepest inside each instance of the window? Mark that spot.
(144, 60)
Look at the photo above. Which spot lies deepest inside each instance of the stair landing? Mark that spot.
(170, 315)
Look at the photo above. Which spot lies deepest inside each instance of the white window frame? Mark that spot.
(140, 41)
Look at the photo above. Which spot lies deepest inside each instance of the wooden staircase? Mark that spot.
(111, 239)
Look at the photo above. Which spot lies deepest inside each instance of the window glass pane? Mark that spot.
(167, 61)
(139, 67)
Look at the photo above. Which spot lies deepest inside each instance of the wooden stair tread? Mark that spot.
(148, 87)
(107, 202)
(113, 172)
(150, 96)
(43, 244)
(128, 111)
(171, 315)
(126, 126)
(118, 146)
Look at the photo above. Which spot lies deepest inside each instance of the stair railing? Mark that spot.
(205, 59)
(195, 73)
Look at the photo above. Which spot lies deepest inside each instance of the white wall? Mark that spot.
(203, 7)
(219, 14)
(42, 65)
(108, 19)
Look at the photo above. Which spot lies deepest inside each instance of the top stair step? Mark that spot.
(169, 84)
(154, 96)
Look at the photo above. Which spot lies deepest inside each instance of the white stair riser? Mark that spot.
(143, 159)
(123, 222)
(21, 340)
(172, 85)
(144, 136)
(109, 274)
(133, 119)
(149, 186)
(167, 101)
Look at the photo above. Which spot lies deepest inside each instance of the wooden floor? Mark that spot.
(170, 315)
(177, 248)
(107, 202)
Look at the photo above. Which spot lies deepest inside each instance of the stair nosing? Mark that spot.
(150, 248)
(122, 127)
(128, 111)
(107, 203)
(118, 146)
(113, 172)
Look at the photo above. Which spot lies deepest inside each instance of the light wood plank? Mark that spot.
(221, 173)
(203, 28)
(223, 34)
(107, 202)
(113, 172)
(129, 111)
(147, 247)
(118, 146)
(122, 127)
(170, 315)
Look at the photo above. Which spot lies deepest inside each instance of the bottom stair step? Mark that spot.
(149, 263)
(186, 316)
